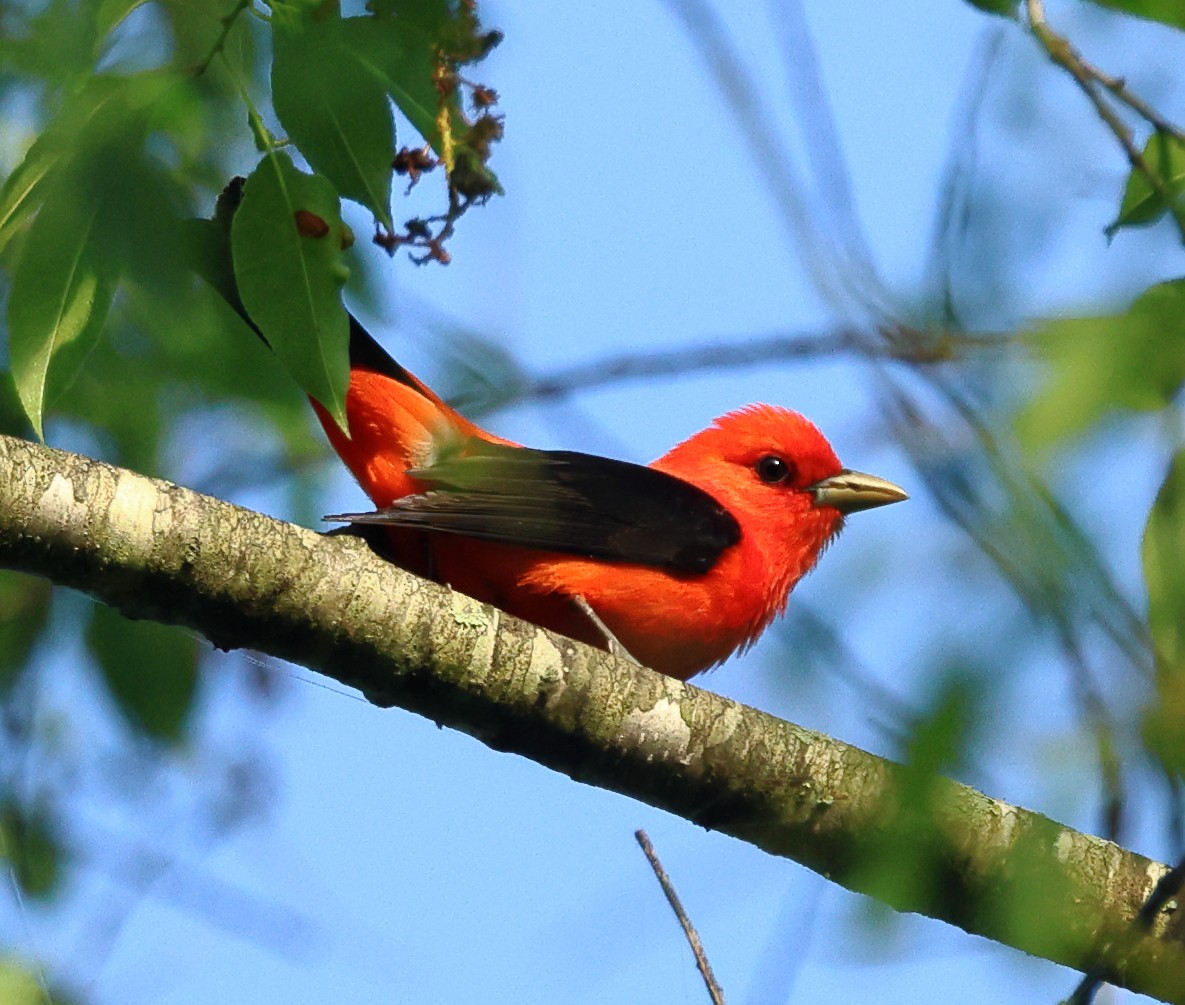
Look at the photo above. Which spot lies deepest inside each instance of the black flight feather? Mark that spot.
(560, 500)
(367, 354)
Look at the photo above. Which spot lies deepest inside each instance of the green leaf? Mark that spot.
(334, 108)
(205, 247)
(28, 843)
(197, 28)
(452, 26)
(1142, 203)
(56, 44)
(20, 984)
(112, 12)
(150, 670)
(100, 205)
(1163, 555)
(910, 856)
(51, 154)
(61, 291)
(109, 112)
(1134, 360)
(21, 193)
(13, 421)
(938, 740)
(286, 241)
(1001, 8)
(1171, 12)
(401, 53)
(24, 611)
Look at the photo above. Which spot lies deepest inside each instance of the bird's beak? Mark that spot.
(852, 491)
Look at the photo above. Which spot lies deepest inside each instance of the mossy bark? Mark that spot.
(156, 550)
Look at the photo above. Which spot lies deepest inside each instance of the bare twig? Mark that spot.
(814, 119)
(1118, 87)
(953, 216)
(898, 344)
(740, 88)
(1089, 80)
(701, 958)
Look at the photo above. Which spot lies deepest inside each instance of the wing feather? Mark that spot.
(564, 501)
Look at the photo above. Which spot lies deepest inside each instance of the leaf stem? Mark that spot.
(227, 22)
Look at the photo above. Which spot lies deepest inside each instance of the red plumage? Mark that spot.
(715, 570)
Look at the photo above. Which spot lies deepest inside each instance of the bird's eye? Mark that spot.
(773, 470)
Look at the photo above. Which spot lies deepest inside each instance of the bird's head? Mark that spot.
(776, 473)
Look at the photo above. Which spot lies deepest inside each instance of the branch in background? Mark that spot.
(953, 214)
(1092, 82)
(242, 579)
(822, 151)
(715, 992)
(137, 871)
(900, 344)
(1071, 589)
(827, 268)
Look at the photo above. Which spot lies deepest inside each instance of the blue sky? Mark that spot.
(411, 864)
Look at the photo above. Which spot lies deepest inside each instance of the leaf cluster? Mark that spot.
(123, 119)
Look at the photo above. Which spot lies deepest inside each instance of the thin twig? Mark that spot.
(741, 88)
(892, 344)
(827, 170)
(1089, 80)
(953, 215)
(1118, 87)
(701, 958)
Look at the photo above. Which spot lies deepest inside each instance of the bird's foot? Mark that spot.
(611, 643)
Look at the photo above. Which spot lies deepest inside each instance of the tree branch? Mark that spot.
(715, 992)
(1089, 79)
(889, 343)
(242, 579)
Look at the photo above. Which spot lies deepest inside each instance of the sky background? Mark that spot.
(392, 861)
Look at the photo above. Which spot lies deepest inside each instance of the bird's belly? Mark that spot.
(677, 625)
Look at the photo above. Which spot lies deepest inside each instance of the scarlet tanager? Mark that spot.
(683, 561)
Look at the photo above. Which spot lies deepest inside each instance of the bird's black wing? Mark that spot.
(558, 500)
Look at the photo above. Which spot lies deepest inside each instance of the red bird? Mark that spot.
(682, 562)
